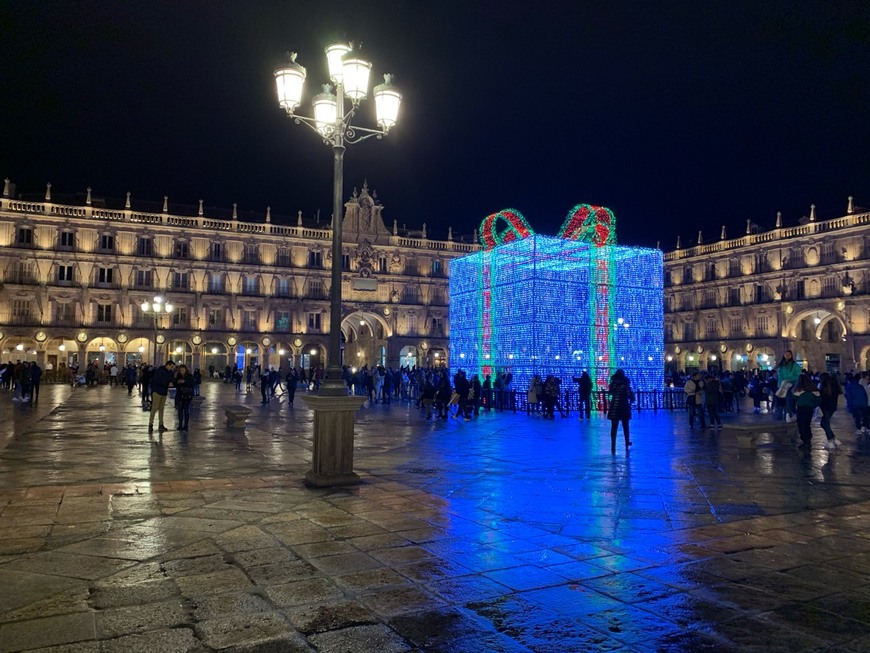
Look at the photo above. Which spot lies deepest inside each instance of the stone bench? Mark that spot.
(747, 433)
(236, 415)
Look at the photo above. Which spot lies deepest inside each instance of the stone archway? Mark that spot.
(366, 335)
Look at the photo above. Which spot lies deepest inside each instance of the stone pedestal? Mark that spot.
(332, 463)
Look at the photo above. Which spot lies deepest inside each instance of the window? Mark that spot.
(250, 286)
(687, 275)
(709, 298)
(315, 259)
(412, 324)
(829, 285)
(250, 320)
(180, 281)
(437, 269)
(313, 322)
(760, 294)
(284, 257)
(282, 321)
(829, 252)
(437, 326)
(382, 264)
(104, 275)
(145, 247)
(252, 253)
(438, 296)
(800, 289)
(734, 296)
(669, 332)
(689, 331)
(712, 327)
(143, 278)
(216, 318)
(217, 252)
(282, 288)
(24, 272)
(25, 236)
(21, 311)
(215, 282)
(762, 325)
(180, 317)
(107, 243)
(736, 326)
(411, 268)
(182, 249)
(64, 314)
(345, 261)
(315, 289)
(104, 313)
(65, 273)
(67, 240)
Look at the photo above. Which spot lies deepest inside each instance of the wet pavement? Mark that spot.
(505, 534)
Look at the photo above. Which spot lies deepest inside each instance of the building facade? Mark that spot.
(76, 274)
(739, 303)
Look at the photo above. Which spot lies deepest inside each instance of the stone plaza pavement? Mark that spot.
(505, 534)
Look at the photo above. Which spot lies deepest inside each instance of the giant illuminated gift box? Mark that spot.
(550, 305)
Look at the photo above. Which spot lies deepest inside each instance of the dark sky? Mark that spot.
(679, 116)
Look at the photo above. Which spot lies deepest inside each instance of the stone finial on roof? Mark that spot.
(199, 211)
(474, 236)
(449, 233)
(678, 243)
(850, 207)
(395, 227)
(748, 226)
(424, 230)
(6, 187)
(235, 211)
(779, 219)
(127, 202)
(88, 198)
(723, 236)
(298, 218)
(166, 203)
(268, 214)
(658, 244)
(812, 212)
(48, 192)
(700, 237)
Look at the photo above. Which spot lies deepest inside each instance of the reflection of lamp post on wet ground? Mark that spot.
(157, 308)
(333, 454)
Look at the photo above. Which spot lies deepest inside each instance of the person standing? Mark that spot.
(147, 373)
(712, 398)
(829, 389)
(35, 379)
(197, 381)
(160, 382)
(788, 372)
(806, 399)
(183, 396)
(856, 401)
(694, 400)
(619, 410)
(292, 382)
(130, 378)
(584, 394)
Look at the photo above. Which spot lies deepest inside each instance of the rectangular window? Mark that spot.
(345, 261)
(250, 321)
(800, 289)
(736, 326)
(179, 317)
(107, 243)
(217, 252)
(104, 313)
(437, 326)
(712, 327)
(282, 288)
(25, 236)
(64, 314)
(182, 249)
(24, 272)
(829, 252)
(734, 296)
(215, 282)
(282, 321)
(437, 269)
(829, 285)
(143, 279)
(180, 281)
(145, 247)
(251, 286)
(284, 257)
(65, 273)
(216, 318)
(689, 331)
(313, 322)
(252, 254)
(104, 275)
(315, 259)
(411, 295)
(382, 264)
(21, 311)
(67, 239)
(710, 298)
(315, 289)
(438, 296)
(762, 325)
(412, 324)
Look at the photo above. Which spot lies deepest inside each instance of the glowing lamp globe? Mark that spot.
(289, 81)
(387, 102)
(325, 111)
(356, 76)
(334, 55)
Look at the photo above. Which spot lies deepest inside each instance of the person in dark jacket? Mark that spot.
(130, 378)
(160, 382)
(292, 382)
(183, 396)
(35, 379)
(619, 410)
(829, 389)
(584, 391)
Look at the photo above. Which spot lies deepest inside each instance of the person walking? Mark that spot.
(35, 380)
(787, 374)
(584, 395)
(292, 382)
(712, 399)
(130, 378)
(619, 410)
(694, 390)
(856, 402)
(183, 396)
(829, 389)
(160, 381)
(806, 398)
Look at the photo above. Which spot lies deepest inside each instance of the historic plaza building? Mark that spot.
(75, 276)
(740, 302)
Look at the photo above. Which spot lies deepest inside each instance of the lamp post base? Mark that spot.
(332, 462)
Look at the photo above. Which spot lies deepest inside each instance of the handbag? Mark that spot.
(783, 390)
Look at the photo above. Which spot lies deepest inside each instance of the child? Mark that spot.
(807, 399)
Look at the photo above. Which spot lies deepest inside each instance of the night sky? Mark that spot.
(679, 116)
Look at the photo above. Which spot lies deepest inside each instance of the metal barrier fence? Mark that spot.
(655, 400)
